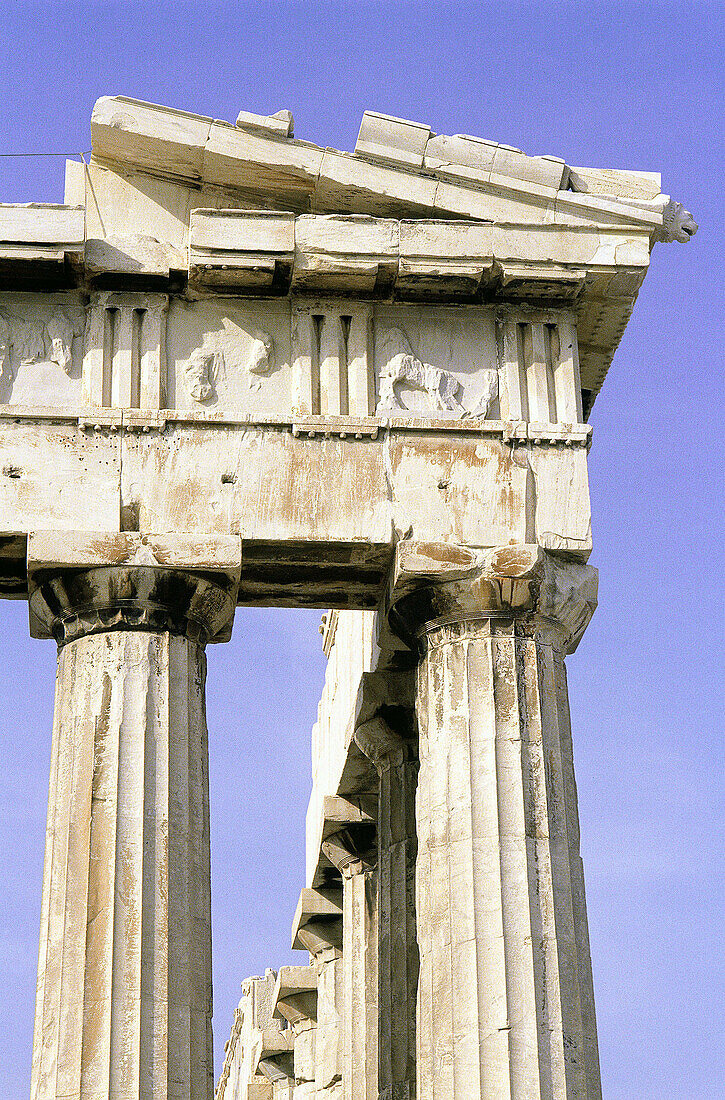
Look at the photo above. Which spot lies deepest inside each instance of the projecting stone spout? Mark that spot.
(678, 224)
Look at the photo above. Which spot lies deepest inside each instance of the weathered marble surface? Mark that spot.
(239, 367)
(505, 998)
(394, 754)
(124, 977)
(41, 349)
(176, 201)
(480, 871)
(123, 1002)
(384, 175)
(276, 360)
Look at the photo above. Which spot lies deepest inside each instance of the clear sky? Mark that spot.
(622, 85)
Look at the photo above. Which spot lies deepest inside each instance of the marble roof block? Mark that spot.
(38, 225)
(281, 124)
(261, 155)
(389, 139)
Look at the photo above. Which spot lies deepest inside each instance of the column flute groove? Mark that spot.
(509, 739)
(547, 1001)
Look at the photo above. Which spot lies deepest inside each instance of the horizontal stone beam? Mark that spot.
(302, 544)
(42, 225)
(38, 244)
(353, 811)
(275, 253)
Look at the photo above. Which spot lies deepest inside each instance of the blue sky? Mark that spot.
(623, 85)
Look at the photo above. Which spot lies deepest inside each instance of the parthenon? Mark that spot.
(237, 368)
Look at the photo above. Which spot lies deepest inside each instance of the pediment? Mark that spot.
(399, 169)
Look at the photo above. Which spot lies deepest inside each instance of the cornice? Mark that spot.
(596, 272)
(408, 216)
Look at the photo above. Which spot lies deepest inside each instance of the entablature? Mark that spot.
(226, 330)
(261, 254)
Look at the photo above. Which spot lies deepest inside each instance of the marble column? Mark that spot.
(359, 992)
(328, 1060)
(124, 998)
(505, 999)
(387, 703)
(358, 1016)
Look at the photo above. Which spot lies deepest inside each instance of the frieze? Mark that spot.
(265, 361)
(229, 356)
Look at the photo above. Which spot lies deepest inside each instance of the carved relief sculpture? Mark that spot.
(202, 372)
(35, 340)
(207, 365)
(60, 331)
(261, 355)
(442, 388)
(403, 367)
(28, 340)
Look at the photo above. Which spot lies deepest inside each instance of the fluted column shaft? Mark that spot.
(359, 982)
(505, 998)
(387, 698)
(123, 1005)
(124, 980)
(398, 949)
(328, 1061)
(505, 1004)
(356, 1011)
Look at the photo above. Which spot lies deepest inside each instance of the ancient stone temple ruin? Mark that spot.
(236, 368)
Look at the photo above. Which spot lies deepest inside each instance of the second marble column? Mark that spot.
(505, 997)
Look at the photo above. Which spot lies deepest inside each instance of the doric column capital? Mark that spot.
(317, 924)
(566, 600)
(89, 583)
(437, 585)
(382, 746)
(385, 726)
(350, 852)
